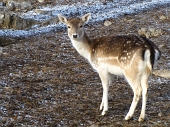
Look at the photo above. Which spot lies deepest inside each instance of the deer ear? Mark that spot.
(86, 17)
(63, 19)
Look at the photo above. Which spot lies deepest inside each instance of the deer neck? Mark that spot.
(82, 45)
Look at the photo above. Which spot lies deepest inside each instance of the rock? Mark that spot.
(154, 32)
(10, 5)
(7, 20)
(20, 23)
(162, 73)
(53, 20)
(142, 31)
(151, 32)
(107, 23)
(20, 1)
(2, 16)
(160, 114)
(148, 34)
(10, 20)
(162, 45)
(39, 11)
(162, 17)
(10, 17)
(41, 1)
(18, 4)
(5, 41)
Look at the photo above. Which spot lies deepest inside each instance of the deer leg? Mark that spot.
(102, 103)
(110, 78)
(137, 93)
(144, 84)
(104, 76)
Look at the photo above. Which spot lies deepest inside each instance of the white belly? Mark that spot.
(112, 69)
(115, 70)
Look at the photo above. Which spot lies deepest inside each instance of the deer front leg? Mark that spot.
(102, 103)
(105, 83)
(110, 79)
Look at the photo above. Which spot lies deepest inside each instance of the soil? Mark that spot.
(45, 82)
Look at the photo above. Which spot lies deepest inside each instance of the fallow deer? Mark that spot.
(131, 56)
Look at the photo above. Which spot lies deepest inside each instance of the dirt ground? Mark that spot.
(44, 82)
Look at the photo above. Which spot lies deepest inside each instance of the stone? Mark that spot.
(18, 4)
(6, 1)
(39, 11)
(5, 41)
(142, 31)
(107, 23)
(41, 1)
(10, 15)
(160, 114)
(162, 17)
(151, 32)
(10, 6)
(2, 16)
(53, 20)
(9, 20)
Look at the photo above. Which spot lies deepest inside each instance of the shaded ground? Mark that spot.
(44, 81)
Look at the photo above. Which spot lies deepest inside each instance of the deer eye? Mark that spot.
(68, 26)
(81, 26)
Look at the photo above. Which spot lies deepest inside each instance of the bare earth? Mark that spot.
(45, 82)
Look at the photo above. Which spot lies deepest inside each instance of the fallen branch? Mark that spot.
(162, 73)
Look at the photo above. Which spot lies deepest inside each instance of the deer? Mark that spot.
(131, 56)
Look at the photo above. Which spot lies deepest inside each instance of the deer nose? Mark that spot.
(75, 36)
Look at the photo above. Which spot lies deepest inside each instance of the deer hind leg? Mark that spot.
(105, 78)
(137, 90)
(144, 84)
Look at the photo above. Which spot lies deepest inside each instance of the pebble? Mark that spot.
(2, 18)
(150, 32)
(39, 11)
(41, 1)
(163, 17)
(10, 6)
(160, 114)
(107, 23)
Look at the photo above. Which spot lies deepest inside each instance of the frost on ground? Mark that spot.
(45, 82)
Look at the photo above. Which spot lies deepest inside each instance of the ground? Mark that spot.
(45, 82)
